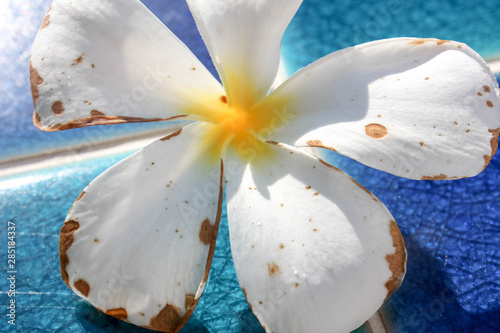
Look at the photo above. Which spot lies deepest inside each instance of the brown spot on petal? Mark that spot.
(83, 287)
(376, 131)
(421, 144)
(189, 302)
(422, 41)
(206, 232)
(479, 94)
(282, 246)
(328, 165)
(494, 146)
(66, 239)
(36, 119)
(46, 22)
(223, 99)
(273, 268)
(486, 89)
(218, 217)
(78, 60)
(441, 42)
(77, 199)
(119, 313)
(105, 120)
(364, 189)
(437, 177)
(315, 143)
(489, 103)
(58, 108)
(80, 196)
(418, 42)
(95, 113)
(397, 260)
(169, 319)
(35, 81)
(168, 137)
(318, 144)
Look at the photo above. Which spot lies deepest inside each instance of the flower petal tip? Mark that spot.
(119, 313)
(169, 319)
(397, 260)
(494, 146)
(66, 239)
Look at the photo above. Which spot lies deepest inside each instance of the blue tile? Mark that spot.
(321, 26)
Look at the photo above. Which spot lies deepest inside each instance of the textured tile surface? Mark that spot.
(451, 228)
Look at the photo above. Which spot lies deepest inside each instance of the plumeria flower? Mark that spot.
(313, 250)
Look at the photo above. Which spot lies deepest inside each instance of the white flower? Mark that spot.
(314, 251)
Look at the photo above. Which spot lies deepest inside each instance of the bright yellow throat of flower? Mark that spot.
(243, 131)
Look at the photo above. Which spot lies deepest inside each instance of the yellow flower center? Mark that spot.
(244, 132)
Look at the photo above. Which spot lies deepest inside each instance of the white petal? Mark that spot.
(416, 108)
(106, 62)
(244, 40)
(313, 250)
(139, 242)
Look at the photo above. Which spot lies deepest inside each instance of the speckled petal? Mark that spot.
(416, 108)
(139, 241)
(107, 62)
(314, 251)
(244, 40)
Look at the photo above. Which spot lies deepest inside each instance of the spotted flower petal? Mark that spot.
(313, 250)
(416, 108)
(244, 39)
(139, 241)
(107, 62)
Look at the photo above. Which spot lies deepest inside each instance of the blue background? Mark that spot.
(451, 228)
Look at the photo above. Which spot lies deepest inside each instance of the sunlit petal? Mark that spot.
(139, 241)
(416, 108)
(107, 62)
(244, 39)
(314, 251)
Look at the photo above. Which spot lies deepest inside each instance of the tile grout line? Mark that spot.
(80, 153)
